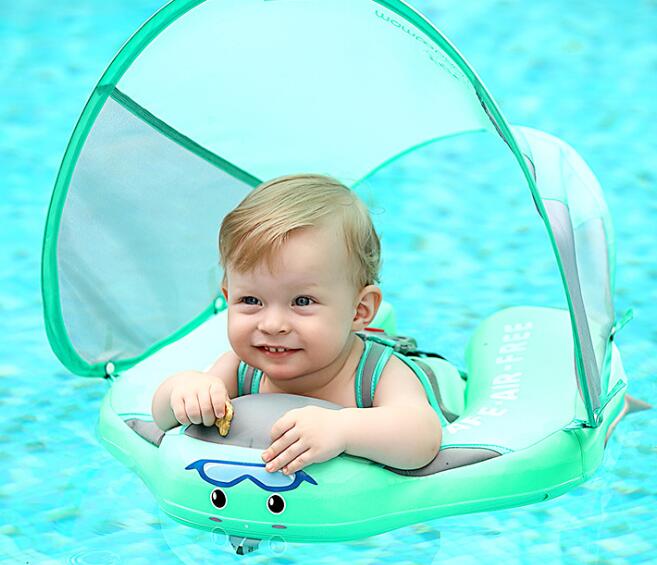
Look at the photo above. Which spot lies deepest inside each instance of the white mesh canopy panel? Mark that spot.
(137, 245)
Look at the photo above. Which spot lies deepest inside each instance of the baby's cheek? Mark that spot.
(330, 340)
(238, 332)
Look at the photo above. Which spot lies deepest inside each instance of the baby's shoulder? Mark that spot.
(398, 382)
(395, 366)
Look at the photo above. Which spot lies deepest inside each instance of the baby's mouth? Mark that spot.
(276, 351)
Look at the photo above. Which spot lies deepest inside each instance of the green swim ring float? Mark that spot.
(223, 92)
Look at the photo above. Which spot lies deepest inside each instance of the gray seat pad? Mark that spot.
(255, 414)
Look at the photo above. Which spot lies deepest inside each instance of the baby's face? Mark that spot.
(297, 318)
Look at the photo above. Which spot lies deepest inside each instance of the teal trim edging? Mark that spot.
(607, 397)
(378, 370)
(605, 370)
(151, 28)
(489, 105)
(493, 447)
(125, 364)
(408, 150)
(180, 139)
(255, 382)
(241, 374)
(136, 415)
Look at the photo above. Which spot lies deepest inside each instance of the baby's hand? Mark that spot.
(199, 398)
(303, 436)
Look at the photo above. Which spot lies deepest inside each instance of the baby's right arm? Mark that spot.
(196, 397)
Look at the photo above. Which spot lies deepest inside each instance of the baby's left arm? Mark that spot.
(400, 430)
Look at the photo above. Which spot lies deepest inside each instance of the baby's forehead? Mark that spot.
(307, 275)
(307, 249)
(310, 258)
(301, 270)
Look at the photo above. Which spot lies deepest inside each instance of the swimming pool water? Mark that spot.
(586, 72)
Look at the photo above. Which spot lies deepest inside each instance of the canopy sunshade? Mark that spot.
(208, 98)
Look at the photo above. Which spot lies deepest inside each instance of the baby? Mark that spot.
(301, 261)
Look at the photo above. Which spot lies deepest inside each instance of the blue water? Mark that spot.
(584, 71)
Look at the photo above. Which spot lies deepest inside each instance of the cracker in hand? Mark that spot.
(223, 424)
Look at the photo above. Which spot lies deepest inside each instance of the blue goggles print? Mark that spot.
(229, 473)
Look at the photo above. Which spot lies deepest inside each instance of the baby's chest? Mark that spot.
(343, 397)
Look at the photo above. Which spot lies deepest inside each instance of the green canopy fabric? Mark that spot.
(209, 98)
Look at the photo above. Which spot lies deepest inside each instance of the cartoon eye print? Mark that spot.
(276, 504)
(218, 498)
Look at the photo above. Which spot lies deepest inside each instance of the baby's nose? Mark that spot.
(273, 322)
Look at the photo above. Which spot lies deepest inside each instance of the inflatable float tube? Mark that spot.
(133, 297)
(517, 438)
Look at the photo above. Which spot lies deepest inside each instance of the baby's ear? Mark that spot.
(367, 305)
(224, 291)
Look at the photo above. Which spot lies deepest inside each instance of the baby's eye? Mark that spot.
(250, 301)
(303, 301)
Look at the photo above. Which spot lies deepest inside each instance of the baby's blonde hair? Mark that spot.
(261, 223)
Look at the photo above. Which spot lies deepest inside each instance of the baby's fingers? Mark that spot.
(278, 446)
(303, 460)
(218, 397)
(193, 409)
(178, 409)
(296, 453)
(207, 417)
(282, 425)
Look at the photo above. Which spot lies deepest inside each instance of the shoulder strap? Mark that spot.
(428, 371)
(248, 379)
(372, 362)
(374, 358)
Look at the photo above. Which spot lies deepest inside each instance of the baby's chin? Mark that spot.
(277, 367)
(280, 373)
